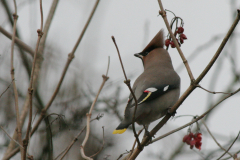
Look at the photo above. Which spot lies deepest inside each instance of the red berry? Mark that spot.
(198, 145)
(188, 141)
(198, 137)
(181, 40)
(183, 36)
(193, 142)
(185, 138)
(180, 30)
(167, 42)
(172, 44)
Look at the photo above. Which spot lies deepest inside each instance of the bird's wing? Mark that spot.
(150, 93)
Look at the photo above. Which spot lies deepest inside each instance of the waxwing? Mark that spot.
(157, 89)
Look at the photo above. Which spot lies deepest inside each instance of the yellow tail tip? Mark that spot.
(119, 131)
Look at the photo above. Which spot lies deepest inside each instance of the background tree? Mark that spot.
(68, 27)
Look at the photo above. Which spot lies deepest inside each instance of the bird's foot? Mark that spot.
(147, 134)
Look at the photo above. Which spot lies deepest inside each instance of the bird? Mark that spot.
(157, 89)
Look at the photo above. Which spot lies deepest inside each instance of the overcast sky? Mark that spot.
(134, 23)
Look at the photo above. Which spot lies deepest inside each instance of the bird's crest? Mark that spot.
(156, 42)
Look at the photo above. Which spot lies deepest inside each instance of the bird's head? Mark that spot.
(149, 52)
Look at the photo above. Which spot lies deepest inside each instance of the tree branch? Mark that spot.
(127, 82)
(215, 138)
(164, 16)
(20, 43)
(19, 130)
(5, 90)
(211, 91)
(105, 78)
(30, 89)
(10, 137)
(229, 146)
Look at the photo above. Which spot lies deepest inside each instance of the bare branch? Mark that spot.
(229, 146)
(211, 91)
(105, 78)
(20, 43)
(139, 132)
(30, 89)
(127, 82)
(210, 64)
(123, 154)
(164, 16)
(6, 89)
(19, 131)
(215, 138)
(11, 137)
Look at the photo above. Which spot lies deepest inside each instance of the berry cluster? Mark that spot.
(181, 38)
(193, 140)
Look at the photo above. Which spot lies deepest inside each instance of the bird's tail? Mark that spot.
(122, 127)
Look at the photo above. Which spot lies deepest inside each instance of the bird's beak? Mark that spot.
(138, 55)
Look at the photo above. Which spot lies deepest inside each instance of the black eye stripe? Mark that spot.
(144, 53)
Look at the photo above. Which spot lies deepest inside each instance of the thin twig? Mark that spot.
(19, 131)
(120, 59)
(164, 16)
(123, 154)
(102, 145)
(220, 48)
(211, 91)
(59, 116)
(20, 43)
(196, 52)
(229, 146)
(127, 82)
(65, 151)
(215, 138)
(139, 132)
(230, 157)
(30, 89)
(105, 78)
(11, 137)
(6, 89)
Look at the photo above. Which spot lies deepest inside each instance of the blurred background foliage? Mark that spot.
(67, 114)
